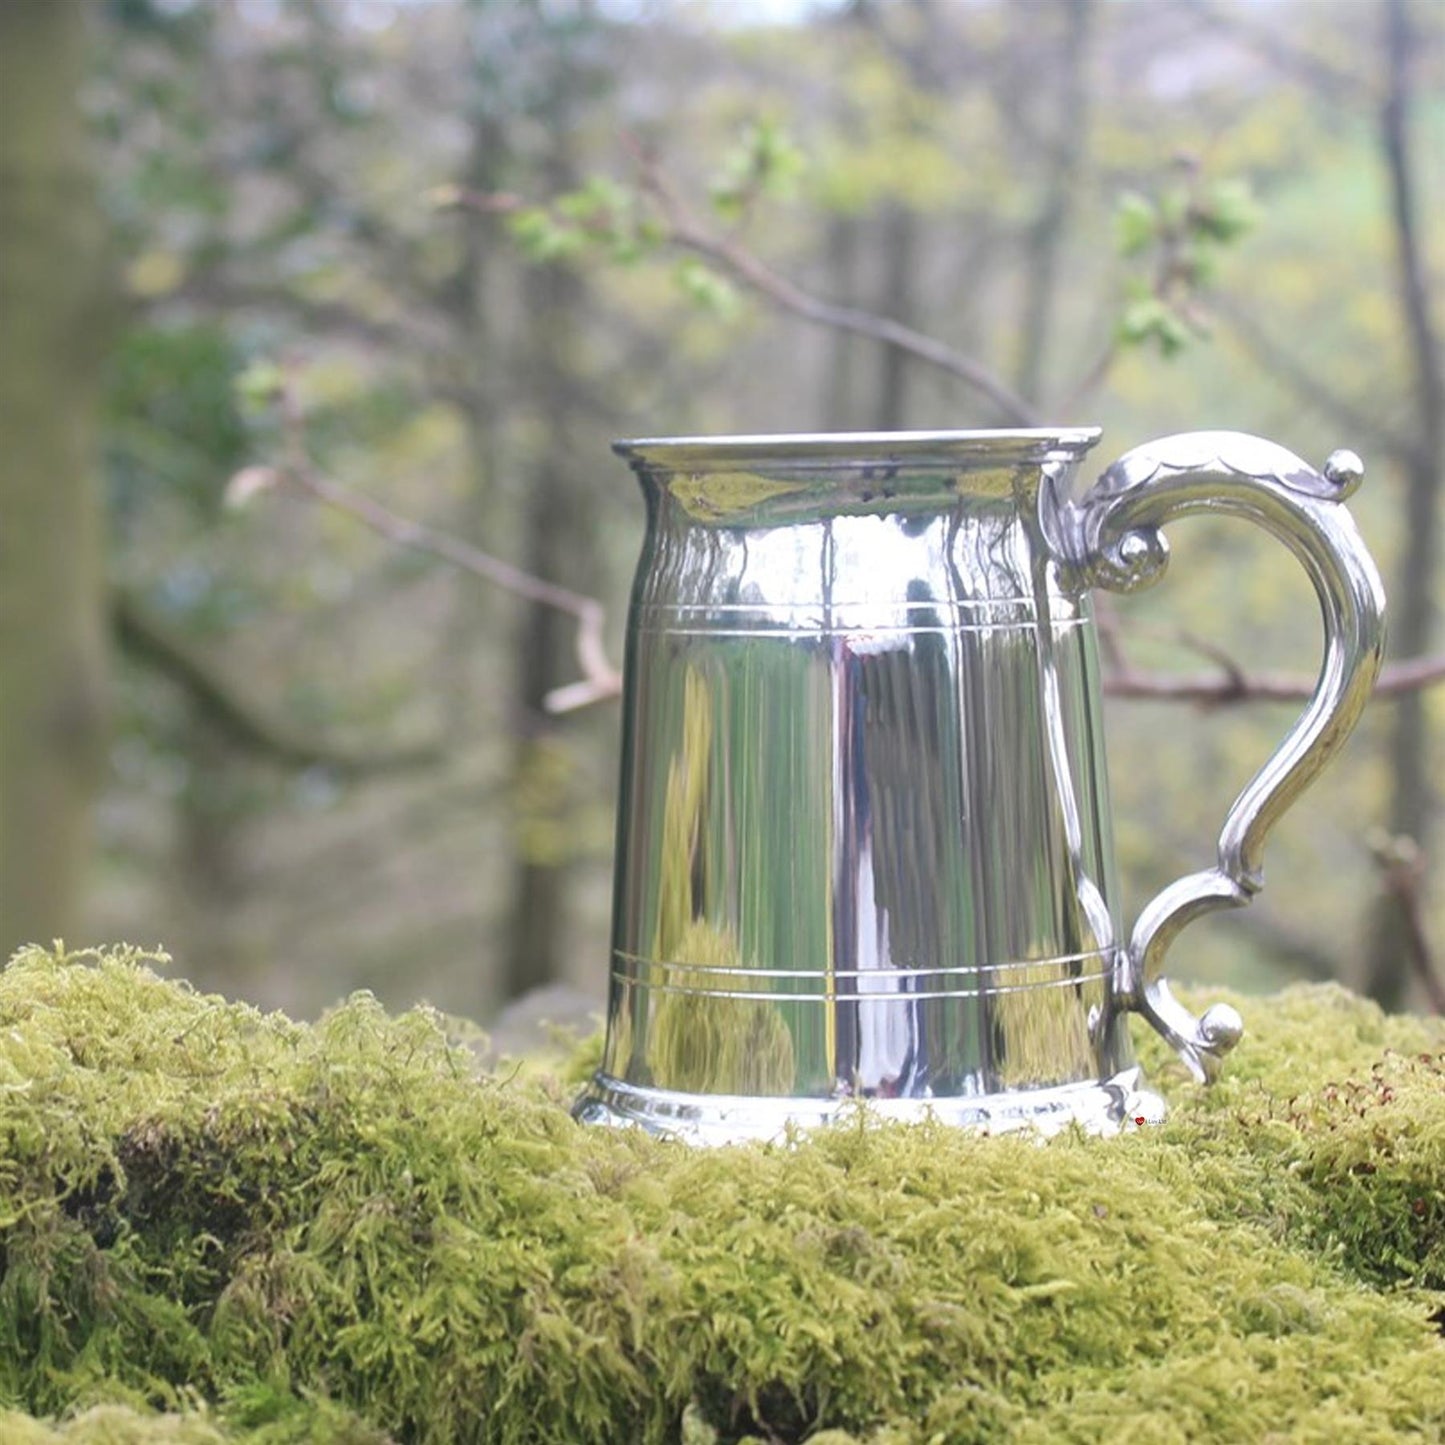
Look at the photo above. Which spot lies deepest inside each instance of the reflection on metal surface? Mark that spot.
(863, 839)
(1112, 538)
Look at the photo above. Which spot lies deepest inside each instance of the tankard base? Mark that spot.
(1102, 1107)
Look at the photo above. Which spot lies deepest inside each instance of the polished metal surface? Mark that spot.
(863, 838)
(1113, 539)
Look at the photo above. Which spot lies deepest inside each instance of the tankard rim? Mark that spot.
(947, 449)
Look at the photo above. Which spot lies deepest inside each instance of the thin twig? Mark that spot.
(599, 678)
(1236, 686)
(685, 230)
(1089, 383)
(1234, 674)
(1111, 634)
(148, 638)
(408, 330)
(602, 681)
(1280, 361)
(1324, 75)
(1402, 867)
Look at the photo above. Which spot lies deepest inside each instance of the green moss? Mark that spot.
(274, 1232)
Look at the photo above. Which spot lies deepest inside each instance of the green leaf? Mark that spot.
(1203, 265)
(702, 285)
(1172, 332)
(541, 238)
(1139, 320)
(259, 385)
(600, 202)
(1136, 224)
(764, 162)
(1146, 319)
(1227, 211)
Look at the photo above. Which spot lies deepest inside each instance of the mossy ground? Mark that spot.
(219, 1226)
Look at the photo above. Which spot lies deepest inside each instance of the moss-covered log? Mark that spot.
(218, 1226)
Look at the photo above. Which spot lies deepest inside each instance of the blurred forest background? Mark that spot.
(268, 263)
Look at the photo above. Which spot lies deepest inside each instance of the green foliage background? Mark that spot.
(428, 229)
(288, 201)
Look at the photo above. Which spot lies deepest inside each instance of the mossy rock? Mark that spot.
(218, 1225)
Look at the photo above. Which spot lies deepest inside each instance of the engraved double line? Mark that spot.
(889, 984)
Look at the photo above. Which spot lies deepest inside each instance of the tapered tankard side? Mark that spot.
(863, 845)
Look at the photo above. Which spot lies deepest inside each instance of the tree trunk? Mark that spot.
(897, 303)
(558, 525)
(1412, 799)
(1048, 235)
(52, 617)
(486, 251)
(841, 251)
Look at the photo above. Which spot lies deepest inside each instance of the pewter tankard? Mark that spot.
(863, 847)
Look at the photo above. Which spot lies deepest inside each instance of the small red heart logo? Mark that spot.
(1140, 1119)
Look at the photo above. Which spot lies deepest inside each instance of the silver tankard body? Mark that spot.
(863, 843)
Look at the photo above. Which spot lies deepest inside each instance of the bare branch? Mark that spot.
(1111, 636)
(601, 679)
(686, 231)
(1089, 383)
(1272, 45)
(1234, 674)
(149, 639)
(1402, 868)
(1281, 362)
(1236, 686)
(215, 291)
(1410, 676)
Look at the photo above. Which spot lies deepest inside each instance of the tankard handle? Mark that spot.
(1111, 538)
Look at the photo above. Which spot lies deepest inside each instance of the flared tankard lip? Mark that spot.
(813, 451)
